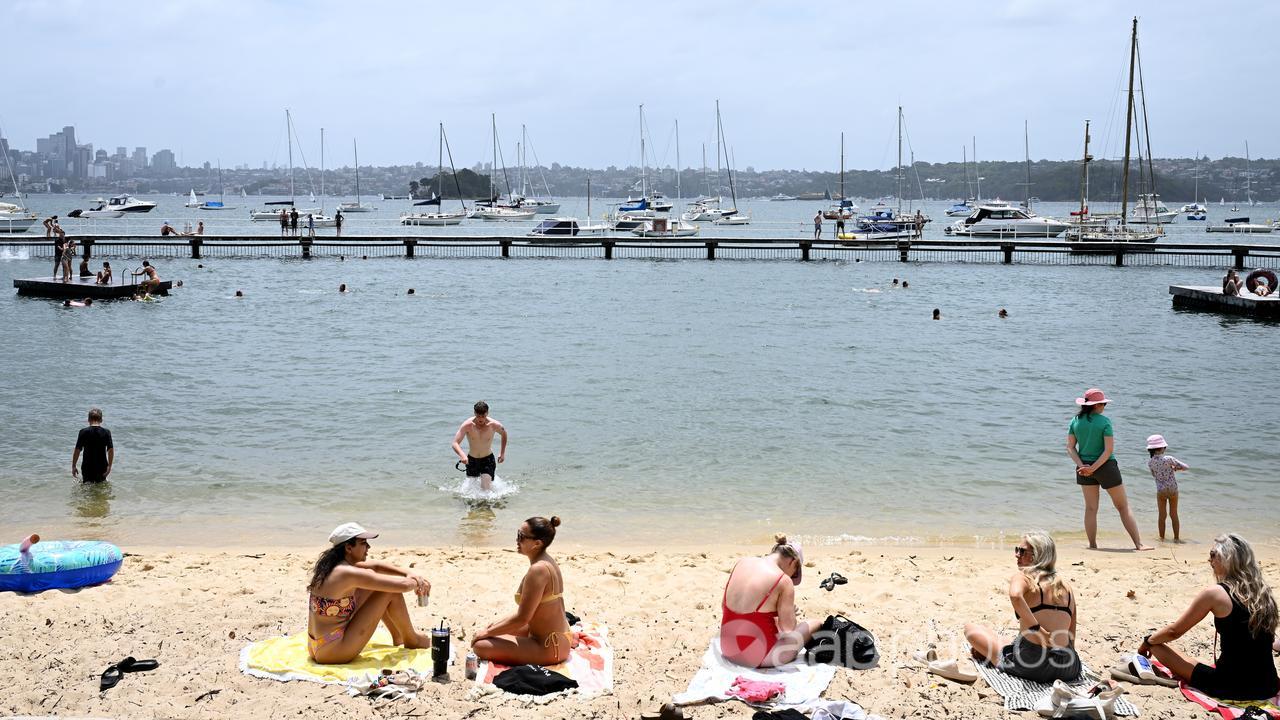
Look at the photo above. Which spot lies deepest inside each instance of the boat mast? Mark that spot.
(718, 186)
(493, 118)
(977, 178)
(899, 214)
(355, 149)
(440, 171)
(321, 171)
(1154, 207)
(222, 200)
(733, 192)
(1128, 129)
(679, 196)
(1084, 175)
(644, 180)
(1026, 148)
(1195, 198)
(288, 128)
(1248, 171)
(842, 168)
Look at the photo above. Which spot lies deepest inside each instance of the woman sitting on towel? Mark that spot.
(537, 633)
(1045, 608)
(1244, 618)
(351, 594)
(759, 626)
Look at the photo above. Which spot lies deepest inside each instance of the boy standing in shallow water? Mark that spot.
(1162, 468)
(479, 431)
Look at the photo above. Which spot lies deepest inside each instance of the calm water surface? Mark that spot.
(648, 402)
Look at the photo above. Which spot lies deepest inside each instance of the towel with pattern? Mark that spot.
(804, 683)
(1022, 694)
(285, 658)
(590, 661)
(1228, 709)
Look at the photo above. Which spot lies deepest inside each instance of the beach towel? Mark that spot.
(804, 683)
(285, 658)
(1022, 694)
(590, 662)
(1228, 709)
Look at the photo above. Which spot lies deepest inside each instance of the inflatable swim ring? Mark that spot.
(1251, 281)
(57, 564)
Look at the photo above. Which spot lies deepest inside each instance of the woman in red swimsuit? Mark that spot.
(351, 594)
(758, 625)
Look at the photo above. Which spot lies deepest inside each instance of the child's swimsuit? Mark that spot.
(1162, 467)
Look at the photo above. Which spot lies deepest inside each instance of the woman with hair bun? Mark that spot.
(1244, 620)
(759, 625)
(537, 633)
(1044, 648)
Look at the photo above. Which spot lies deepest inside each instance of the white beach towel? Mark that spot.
(1022, 694)
(805, 683)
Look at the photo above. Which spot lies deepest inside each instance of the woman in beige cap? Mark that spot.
(350, 595)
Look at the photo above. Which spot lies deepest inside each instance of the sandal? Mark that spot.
(669, 711)
(830, 583)
(109, 678)
(129, 665)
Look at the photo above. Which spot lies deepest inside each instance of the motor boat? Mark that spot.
(98, 210)
(884, 223)
(782, 198)
(432, 219)
(665, 228)
(218, 205)
(270, 214)
(1150, 211)
(733, 217)
(652, 206)
(1004, 221)
(130, 204)
(541, 207)
(14, 219)
(556, 226)
(1194, 211)
(1240, 225)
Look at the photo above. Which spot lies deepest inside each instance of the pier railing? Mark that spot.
(997, 251)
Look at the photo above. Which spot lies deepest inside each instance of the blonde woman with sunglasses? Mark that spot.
(1244, 623)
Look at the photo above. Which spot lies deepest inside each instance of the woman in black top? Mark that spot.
(1244, 620)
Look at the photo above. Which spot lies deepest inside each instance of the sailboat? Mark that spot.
(707, 207)
(490, 209)
(1194, 210)
(192, 200)
(15, 218)
(965, 209)
(883, 222)
(270, 213)
(1117, 230)
(440, 218)
(844, 209)
(651, 204)
(569, 226)
(216, 204)
(730, 216)
(357, 206)
(548, 206)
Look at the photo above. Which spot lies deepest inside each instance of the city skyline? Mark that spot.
(790, 80)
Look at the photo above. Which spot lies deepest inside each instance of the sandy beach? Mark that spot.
(194, 610)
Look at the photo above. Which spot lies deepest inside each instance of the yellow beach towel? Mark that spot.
(285, 658)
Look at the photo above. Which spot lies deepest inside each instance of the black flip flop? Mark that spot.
(129, 665)
(109, 678)
(830, 583)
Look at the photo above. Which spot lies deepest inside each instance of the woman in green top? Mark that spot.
(1090, 443)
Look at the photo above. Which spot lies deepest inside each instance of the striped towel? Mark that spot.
(1022, 694)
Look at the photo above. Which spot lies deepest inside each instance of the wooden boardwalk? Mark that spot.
(1002, 251)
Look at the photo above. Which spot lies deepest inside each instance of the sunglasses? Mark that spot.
(1020, 551)
(521, 536)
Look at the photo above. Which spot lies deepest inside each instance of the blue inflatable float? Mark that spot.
(35, 566)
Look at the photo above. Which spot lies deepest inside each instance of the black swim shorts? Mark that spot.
(487, 465)
(1026, 659)
(1108, 476)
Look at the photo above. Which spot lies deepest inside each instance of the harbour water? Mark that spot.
(649, 402)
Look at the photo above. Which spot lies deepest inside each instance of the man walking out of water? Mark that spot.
(479, 431)
(98, 452)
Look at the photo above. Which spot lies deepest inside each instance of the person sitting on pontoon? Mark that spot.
(104, 275)
(1231, 284)
(1262, 288)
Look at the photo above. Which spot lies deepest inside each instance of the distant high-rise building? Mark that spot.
(121, 151)
(164, 161)
(100, 156)
(140, 158)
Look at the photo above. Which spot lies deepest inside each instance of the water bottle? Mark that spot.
(473, 665)
(440, 650)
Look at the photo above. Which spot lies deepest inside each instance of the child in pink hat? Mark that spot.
(1162, 468)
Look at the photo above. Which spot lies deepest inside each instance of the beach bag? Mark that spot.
(841, 641)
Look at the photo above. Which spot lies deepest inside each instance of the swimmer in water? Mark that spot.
(342, 288)
(479, 431)
(239, 293)
(937, 314)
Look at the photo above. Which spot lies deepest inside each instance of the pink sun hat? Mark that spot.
(1155, 442)
(1093, 396)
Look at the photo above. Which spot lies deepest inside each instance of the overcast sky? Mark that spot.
(211, 79)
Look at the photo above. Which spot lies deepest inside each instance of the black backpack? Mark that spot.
(841, 641)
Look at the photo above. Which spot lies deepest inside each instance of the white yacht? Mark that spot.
(1149, 210)
(664, 228)
(1006, 221)
(1240, 225)
(355, 207)
(498, 212)
(439, 219)
(99, 209)
(14, 219)
(702, 210)
(733, 217)
(561, 226)
(130, 204)
(1194, 211)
